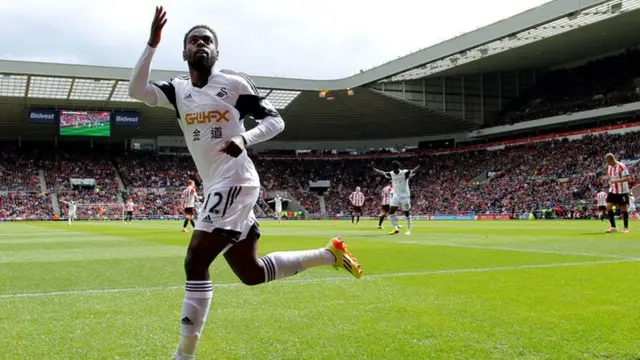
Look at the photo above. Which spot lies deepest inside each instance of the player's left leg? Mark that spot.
(612, 217)
(358, 213)
(625, 217)
(243, 259)
(407, 215)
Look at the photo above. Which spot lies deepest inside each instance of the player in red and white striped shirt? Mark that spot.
(357, 200)
(129, 208)
(601, 199)
(188, 202)
(386, 196)
(618, 191)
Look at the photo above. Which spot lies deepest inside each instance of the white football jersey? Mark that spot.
(632, 203)
(400, 182)
(72, 206)
(210, 116)
(278, 203)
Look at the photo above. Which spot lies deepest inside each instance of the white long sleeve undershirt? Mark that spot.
(139, 86)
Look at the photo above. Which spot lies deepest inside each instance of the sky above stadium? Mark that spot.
(289, 38)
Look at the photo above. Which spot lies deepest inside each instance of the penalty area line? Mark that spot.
(327, 279)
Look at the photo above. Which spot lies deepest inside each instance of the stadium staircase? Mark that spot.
(55, 203)
(121, 187)
(635, 191)
(323, 205)
(480, 178)
(43, 181)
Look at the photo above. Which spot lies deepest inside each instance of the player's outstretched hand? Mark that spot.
(159, 21)
(233, 147)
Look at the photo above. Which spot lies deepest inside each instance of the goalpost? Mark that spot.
(89, 212)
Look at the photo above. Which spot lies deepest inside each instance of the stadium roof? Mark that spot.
(109, 83)
(532, 38)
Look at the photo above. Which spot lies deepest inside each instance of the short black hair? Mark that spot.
(395, 163)
(206, 27)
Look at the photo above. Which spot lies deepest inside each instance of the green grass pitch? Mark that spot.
(452, 290)
(87, 131)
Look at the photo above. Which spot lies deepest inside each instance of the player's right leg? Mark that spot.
(203, 249)
(611, 215)
(394, 219)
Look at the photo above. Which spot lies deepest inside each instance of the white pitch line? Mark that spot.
(332, 278)
(501, 248)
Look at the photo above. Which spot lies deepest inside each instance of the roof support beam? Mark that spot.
(73, 82)
(113, 89)
(26, 88)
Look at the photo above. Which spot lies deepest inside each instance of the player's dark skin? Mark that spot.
(201, 53)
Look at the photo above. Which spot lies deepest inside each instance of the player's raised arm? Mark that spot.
(139, 86)
(380, 172)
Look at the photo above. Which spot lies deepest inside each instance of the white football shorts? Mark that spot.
(401, 202)
(230, 209)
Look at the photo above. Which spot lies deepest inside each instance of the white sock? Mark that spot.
(409, 222)
(394, 221)
(195, 308)
(282, 264)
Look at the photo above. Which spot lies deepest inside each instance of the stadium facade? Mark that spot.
(449, 93)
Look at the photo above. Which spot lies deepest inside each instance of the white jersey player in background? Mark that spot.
(211, 106)
(401, 197)
(71, 212)
(277, 204)
(632, 204)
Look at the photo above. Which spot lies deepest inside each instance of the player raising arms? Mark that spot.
(357, 201)
(401, 197)
(601, 199)
(188, 202)
(277, 204)
(387, 191)
(210, 106)
(618, 191)
(72, 205)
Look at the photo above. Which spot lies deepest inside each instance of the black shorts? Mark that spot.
(357, 209)
(385, 208)
(189, 211)
(129, 213)
(602, 208)
(618, 199)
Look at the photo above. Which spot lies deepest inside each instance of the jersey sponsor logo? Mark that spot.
(206, 117)
(188, 97)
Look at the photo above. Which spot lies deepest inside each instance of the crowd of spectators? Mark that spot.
(560, 173)
(520, 178)
(18, 170)
(596, 84)
(25, 205)
(63, 166)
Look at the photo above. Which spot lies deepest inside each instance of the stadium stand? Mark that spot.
(559, 173)
(597, 84)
